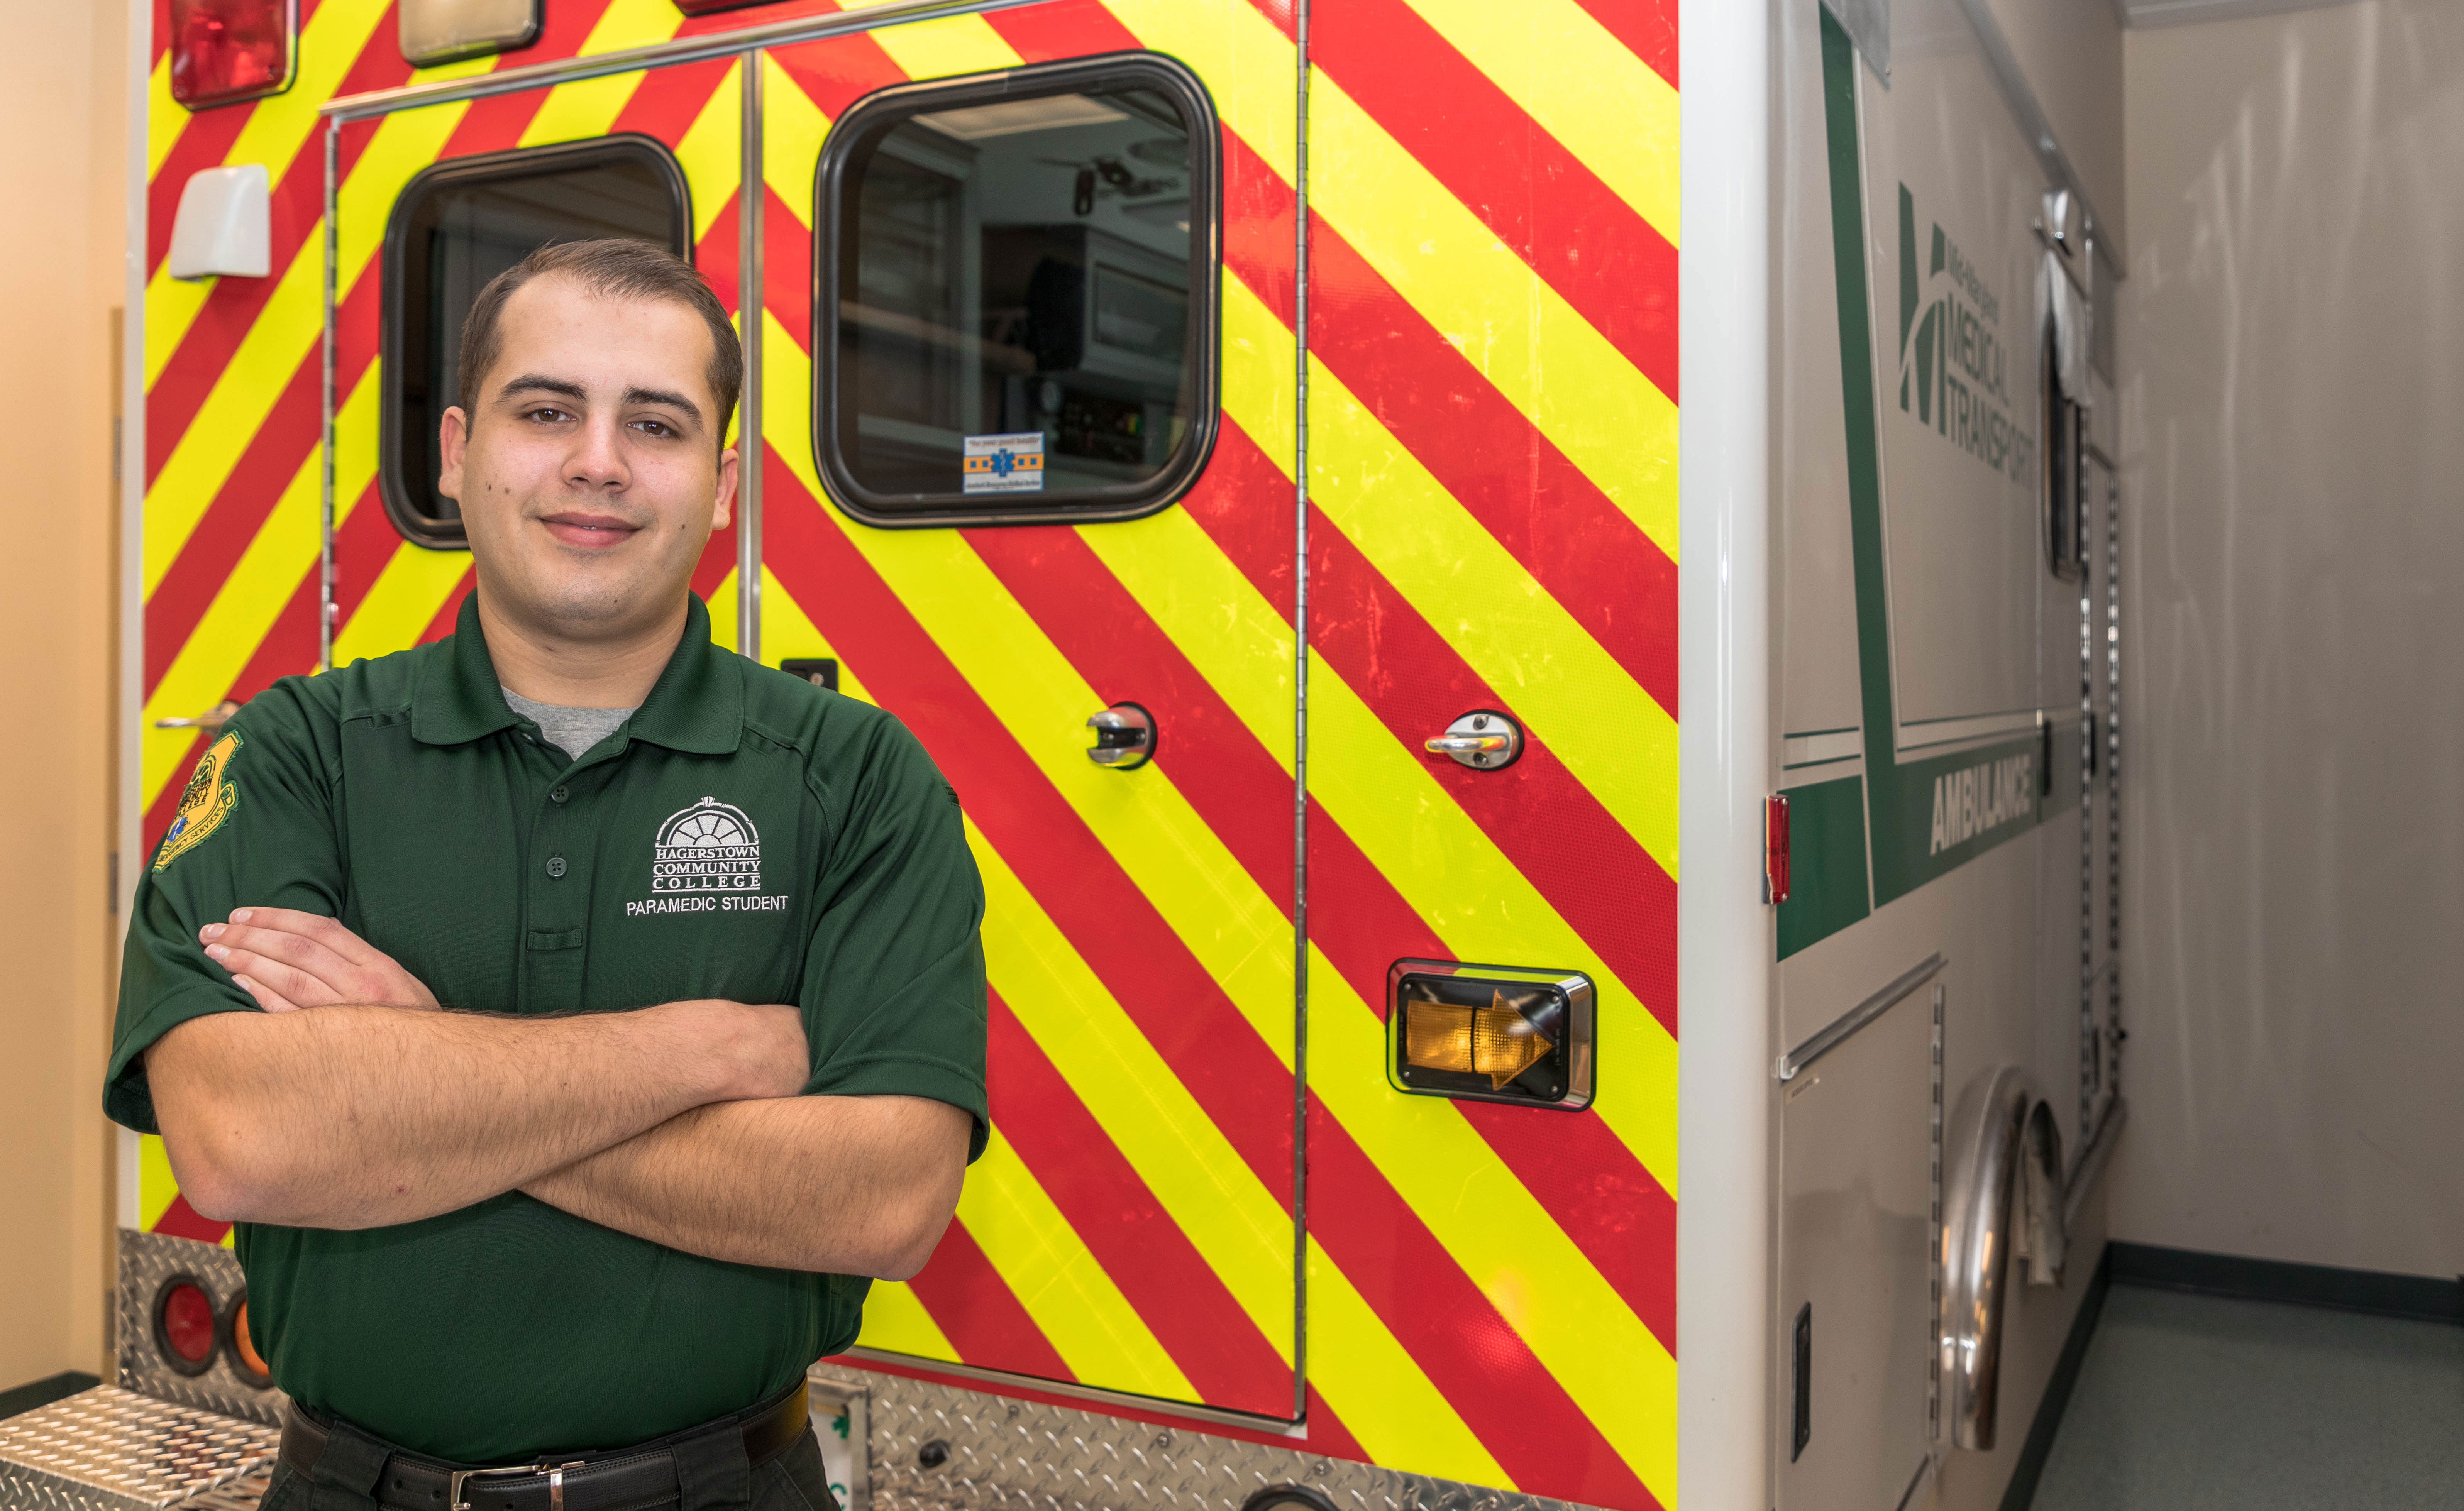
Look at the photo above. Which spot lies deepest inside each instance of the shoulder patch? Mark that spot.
(210, 798)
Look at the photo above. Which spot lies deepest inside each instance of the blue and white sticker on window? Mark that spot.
(1004, 464)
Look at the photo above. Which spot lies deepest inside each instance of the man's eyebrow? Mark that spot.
(662, 396)
(534, 382)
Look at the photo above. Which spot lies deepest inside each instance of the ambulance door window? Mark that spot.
(1015, 296)
(458, 225)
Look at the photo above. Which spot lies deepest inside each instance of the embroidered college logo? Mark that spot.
(210, 798)
(708, 847)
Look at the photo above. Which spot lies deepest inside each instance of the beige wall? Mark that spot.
(2292, 345)
(61, 106)
(2071, 53)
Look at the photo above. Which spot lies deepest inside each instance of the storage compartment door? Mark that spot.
(1854, 1331)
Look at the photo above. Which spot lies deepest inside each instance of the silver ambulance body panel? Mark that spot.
(1985, 652)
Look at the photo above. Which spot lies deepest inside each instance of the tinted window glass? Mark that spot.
(1019, 276)
(459, 225)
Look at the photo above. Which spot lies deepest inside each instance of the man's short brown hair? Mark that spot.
(613, 269)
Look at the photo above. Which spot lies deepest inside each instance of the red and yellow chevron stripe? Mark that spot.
(1492, 368)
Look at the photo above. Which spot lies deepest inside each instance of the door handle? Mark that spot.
(1483, 739)
(211, 721)
(1125, 737)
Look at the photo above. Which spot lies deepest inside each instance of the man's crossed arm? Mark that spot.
(352, 1103)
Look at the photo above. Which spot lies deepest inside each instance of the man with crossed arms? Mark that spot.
(574, 1016)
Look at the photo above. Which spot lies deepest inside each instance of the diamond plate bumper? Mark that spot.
(1000, 1455)
(205, 1442)
(112, 1450)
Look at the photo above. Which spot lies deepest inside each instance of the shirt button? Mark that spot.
(555, 865)
(559, 794)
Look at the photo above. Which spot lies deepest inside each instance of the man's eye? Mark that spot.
(656, 427)
(549, 416)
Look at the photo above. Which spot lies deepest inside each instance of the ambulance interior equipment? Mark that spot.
(1019, 259)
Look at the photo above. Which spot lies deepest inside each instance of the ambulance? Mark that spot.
(1241, 439)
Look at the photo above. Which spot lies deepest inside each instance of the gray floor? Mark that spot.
(2195, 1402)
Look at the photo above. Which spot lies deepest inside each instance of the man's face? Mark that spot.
(587, 465)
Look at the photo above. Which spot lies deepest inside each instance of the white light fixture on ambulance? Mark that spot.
(225, 227)
(440, 31)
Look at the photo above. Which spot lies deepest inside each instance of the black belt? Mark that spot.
(623, 1479)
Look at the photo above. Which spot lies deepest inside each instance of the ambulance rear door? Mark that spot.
(1023, 486)
(1492, 740)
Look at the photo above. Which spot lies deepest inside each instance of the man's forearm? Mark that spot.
(355, 1117)
(836, 1185)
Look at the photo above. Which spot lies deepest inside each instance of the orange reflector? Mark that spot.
(1495, 1040)
(244, 1346)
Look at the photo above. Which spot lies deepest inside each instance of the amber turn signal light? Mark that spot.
(1491, 1033)
(1495, 1040)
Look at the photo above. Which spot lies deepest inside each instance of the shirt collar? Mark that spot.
(698, 704)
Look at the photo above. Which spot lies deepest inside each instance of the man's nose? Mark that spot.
(598, 458)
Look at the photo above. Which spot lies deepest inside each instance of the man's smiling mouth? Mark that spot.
(575, 527)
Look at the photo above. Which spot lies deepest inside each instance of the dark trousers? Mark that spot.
(710, 1465)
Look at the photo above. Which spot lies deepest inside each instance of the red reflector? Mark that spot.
(189, 1323)
(228, 50)
(1775, 851)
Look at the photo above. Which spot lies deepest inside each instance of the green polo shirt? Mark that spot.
(745, 835)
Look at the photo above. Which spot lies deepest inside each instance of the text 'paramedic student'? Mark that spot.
(704, 934)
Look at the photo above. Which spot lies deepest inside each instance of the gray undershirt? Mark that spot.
(570, 729)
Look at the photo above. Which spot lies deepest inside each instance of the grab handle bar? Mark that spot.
(2005, 1162)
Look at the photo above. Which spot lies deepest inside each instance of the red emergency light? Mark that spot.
(223, 51)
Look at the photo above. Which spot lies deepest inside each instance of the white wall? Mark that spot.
(2292, 345)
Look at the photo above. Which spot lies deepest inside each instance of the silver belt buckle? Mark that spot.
(555, 1473)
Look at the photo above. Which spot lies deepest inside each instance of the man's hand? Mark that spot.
(288, 960)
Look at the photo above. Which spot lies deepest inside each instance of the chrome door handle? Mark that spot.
(1125, 737)
(211, 720)
(1483, 739)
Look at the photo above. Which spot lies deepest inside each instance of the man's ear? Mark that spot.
(452, 436)
(724, 509)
